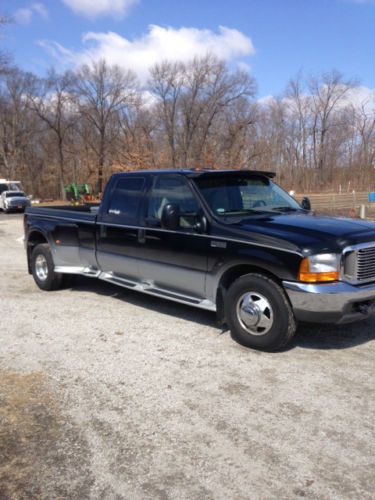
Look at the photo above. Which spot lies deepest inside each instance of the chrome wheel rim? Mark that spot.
(41, 267)
(254, 313)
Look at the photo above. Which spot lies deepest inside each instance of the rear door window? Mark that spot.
(126, 199)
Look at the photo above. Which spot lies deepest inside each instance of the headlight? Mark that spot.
(321, 267)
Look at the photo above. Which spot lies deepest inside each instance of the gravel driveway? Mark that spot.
(109, 394)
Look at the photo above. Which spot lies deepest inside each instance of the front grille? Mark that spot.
(15, 203)
(359, 264)
(366, 264)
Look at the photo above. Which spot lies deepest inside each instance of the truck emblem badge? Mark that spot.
(218, 244)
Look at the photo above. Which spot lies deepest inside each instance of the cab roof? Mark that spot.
(224, 173)
(199, 173)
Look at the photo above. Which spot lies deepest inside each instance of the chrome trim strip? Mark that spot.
(211, 236)
(61, 218)
(129, 226)
(360, 246)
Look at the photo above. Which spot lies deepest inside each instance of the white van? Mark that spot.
(6, 185)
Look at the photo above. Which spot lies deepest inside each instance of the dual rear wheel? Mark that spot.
(42, 268)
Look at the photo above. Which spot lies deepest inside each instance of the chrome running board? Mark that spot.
(151, 289)
(144, 287)
(85, 271)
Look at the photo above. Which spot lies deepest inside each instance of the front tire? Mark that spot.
(42, 268)
(258, 313)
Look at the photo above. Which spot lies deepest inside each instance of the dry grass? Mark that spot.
(27, 422)
(36, 442)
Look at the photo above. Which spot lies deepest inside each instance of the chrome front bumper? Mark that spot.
(331, 302)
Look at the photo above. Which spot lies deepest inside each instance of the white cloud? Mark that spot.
(148, 99)
(40, 9)
(24, 15)
(267, 100)
(96, 8)
(243, 66)
(157, 44)
(358, 97)
(362, 97)
(57, 51)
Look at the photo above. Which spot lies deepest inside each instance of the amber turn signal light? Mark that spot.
(306, 276)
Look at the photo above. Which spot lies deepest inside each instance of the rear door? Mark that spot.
(173, 260)
(118, 226)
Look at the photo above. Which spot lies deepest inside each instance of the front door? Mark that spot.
(173, 260)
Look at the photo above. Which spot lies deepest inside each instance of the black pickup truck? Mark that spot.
(226, 241)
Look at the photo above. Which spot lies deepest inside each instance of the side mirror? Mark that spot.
(306, 204)
(201, 224)
(170, 217)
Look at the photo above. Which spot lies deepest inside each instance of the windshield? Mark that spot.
(15, 193)
(232, 196)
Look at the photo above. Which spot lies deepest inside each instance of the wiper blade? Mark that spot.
(285, 209)
(243, 212)
(239, 211)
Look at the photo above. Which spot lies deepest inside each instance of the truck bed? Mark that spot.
(80, 213)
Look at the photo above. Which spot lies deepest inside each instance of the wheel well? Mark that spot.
(229, 277)
(235, 272)
(34, 239)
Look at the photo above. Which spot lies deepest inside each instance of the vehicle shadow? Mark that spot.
(327, 336)
(150, 302)
(308, 336)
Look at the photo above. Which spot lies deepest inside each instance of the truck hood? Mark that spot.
(306, 232)
(17, 198)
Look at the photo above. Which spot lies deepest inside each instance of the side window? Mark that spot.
(174, 190)
(126, 198)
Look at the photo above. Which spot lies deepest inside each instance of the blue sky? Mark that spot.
(273, 38)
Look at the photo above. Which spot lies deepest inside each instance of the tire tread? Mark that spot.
(54, 280)
(284, 337)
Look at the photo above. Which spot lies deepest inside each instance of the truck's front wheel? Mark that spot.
(258, 313)
(43, 268)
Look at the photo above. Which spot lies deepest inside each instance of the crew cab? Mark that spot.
(227, 241)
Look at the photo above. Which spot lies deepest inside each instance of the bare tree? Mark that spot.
(298, 107)
(135, 144)
(101, 92)
(364, 123)
(4, 55)
(84, 125)
(328, 93)
(166, 82)
(51, 100)
(224, 90)
(192, 96)
(210, 89)
(16, 126)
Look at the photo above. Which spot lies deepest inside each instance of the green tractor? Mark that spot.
(78, 193)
